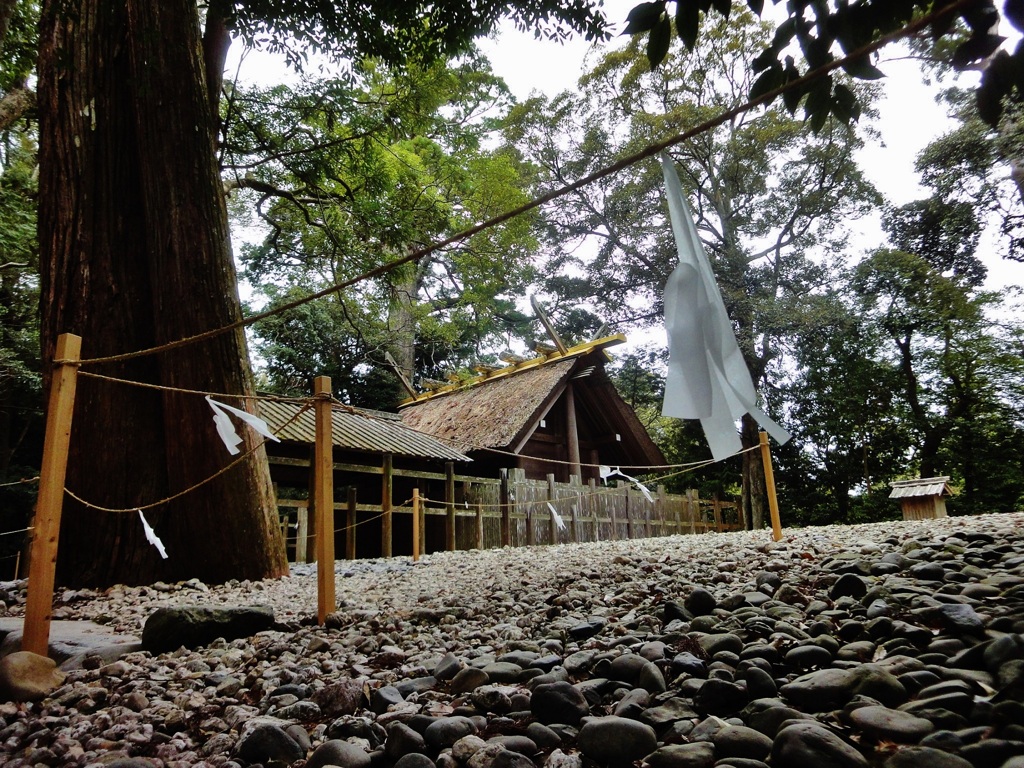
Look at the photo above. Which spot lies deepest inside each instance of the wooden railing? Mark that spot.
(483, 513)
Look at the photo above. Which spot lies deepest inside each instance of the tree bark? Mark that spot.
(134, 252)
(755, 499)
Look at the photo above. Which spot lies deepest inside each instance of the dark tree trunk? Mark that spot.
(755, 494)
(135, 252)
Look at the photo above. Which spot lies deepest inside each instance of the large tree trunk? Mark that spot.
(135, 252)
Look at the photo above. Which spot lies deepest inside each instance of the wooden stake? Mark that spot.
(350, 525)
(386, 531)
(301, 533)
(449, 506)
(769, 484)
(479, 525)
(415, 524)
(42, 565)
(324, 498)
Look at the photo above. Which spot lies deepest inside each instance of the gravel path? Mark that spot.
(896, 644)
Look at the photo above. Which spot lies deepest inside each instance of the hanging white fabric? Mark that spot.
(707, 378)
(607, 472)
(151, 536)
(226, 429)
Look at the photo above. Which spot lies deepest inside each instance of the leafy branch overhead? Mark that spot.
(825, 30)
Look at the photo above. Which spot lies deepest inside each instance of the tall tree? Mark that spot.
(135, 253)
(342, 171)
(765, 189)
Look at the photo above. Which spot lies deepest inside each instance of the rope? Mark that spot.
(585, 492)
(162, 388)
(23, 481)
(19, 530)
(652, 150)
(562, 462)
(189, 490)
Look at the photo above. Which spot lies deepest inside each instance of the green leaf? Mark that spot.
(863, 69)
(791, 98)
(765, 59)
(687, 22)
(643, 17)
(1013, 10)
(723, 7)
(845, 105)
(658, 42)
(774, 77)
(976, 48)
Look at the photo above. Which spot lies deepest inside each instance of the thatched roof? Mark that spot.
(491, 415)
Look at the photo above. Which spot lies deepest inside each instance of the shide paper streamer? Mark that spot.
(607, 472)
(707, 378)
(559, 522)
(151, 536)
(226, 429)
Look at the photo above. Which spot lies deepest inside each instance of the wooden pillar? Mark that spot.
(324, 497)
(572, 432)
(505, 502)
(552, 497)
(350, 524)
(301, 533)
(387, 490)
(449, 506)
(311, 548)
(42, 564)
(769, 484)
(415, 524)
(479, 525)
(593, 506)
(423, 524)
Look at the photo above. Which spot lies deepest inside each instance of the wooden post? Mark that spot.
(415, 524)
(449, 506)
(386, 532)
(505, 502)
(301, 532)
(717, 509)
(552, 525)
(572, 433)
(423, 525)
(593, 506)
(662, 506)
(350, 524)
(769, 484)
(629, 512)
(42, 564)
(311, 547)
(479, 525)
(612, 502)
(324, 497)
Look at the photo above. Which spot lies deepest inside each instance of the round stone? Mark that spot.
(891, 724)
(558, 702)
(804, 744)
(616, 741)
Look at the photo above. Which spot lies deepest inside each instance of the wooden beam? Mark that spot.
(415, 524)
(548, 325)
(42, 565)
(396, 368)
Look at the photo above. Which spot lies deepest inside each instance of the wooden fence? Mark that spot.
(483, 513)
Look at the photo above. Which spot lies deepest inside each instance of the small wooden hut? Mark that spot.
(555, 414)
(922, 499)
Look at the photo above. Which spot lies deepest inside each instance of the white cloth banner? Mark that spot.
(707, 378)
(226, 429)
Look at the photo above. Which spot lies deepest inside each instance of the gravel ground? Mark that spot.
(895, 644)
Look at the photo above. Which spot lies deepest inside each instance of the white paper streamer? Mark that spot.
(226, 429)
(707, 378)
(559, 522)
(151, 536)
(640, 486)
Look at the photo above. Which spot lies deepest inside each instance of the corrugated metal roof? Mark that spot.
(925, 486)
(358, 430)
